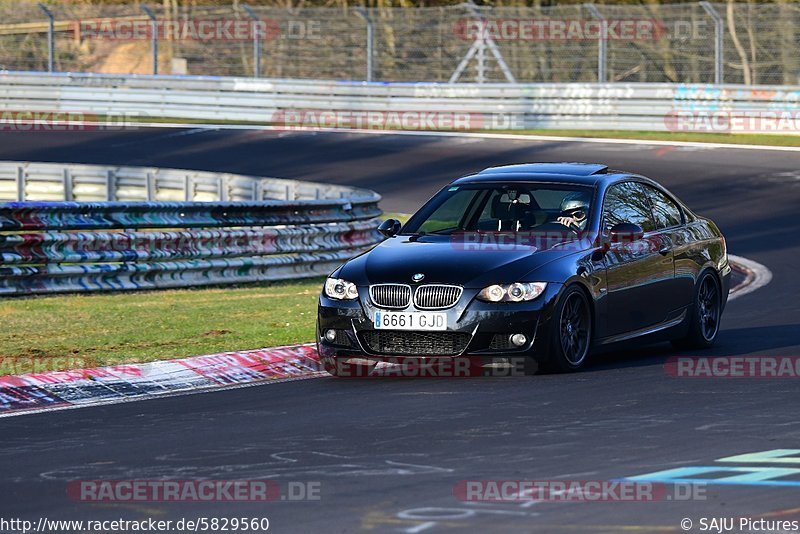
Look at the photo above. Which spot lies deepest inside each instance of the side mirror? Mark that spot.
(389, 227)
(625, 233)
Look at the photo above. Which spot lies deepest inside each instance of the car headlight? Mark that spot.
(338, 289)
(516, 292)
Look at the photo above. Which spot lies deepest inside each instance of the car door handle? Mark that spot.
(664, 250)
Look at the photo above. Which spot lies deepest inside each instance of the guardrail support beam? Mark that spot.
(719, 28)
(111, 186)
(188, 188)
(222, 188)
(68, 186)
(20, 184)
(151, 186)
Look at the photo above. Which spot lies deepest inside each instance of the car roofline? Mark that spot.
(554, 178)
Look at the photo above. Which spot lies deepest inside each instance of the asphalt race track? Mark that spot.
(388, 452)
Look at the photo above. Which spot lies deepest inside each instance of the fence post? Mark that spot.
(602, 43)
(257, 36)
(153, 37)
(719, 27)
(364, 14)
(50, 36)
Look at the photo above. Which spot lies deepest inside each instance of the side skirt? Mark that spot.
(669, 323)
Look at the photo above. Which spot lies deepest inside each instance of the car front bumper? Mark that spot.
(475, 329)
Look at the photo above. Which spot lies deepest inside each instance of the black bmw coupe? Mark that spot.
(538, 263)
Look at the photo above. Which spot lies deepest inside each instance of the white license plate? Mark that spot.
(410, 321)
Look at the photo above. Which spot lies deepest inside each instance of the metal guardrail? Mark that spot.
(299, 103)
(93, 183)
(50, 247)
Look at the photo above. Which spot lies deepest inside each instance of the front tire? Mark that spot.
(571, 332)
(705, 315)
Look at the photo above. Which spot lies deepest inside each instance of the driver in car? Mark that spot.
(574, 211)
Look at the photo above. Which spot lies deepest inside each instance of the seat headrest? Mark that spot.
(504, 209)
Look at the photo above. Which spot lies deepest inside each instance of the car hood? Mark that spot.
(397, 259)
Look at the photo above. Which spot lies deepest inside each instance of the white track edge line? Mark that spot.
(424, 133)
(761, 276)
(191, 391)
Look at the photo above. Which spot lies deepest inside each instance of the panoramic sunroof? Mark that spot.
(575, 169)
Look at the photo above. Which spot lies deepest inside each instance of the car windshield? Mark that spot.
(528, 207)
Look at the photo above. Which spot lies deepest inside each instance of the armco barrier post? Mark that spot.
(111, 185)
(20, 184)
(68, 185)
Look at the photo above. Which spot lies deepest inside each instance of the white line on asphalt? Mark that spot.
(125, 400)
(193, 131)
(511, 137)
(758, 276)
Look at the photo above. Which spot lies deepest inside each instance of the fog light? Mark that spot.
(330, 335)
(518, 340)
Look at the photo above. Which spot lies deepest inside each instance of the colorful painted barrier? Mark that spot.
(49, 247)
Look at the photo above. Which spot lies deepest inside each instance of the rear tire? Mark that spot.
(570, 332)
(704, 316)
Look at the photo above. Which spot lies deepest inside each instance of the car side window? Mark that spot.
(627, 203)
(667, 214)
